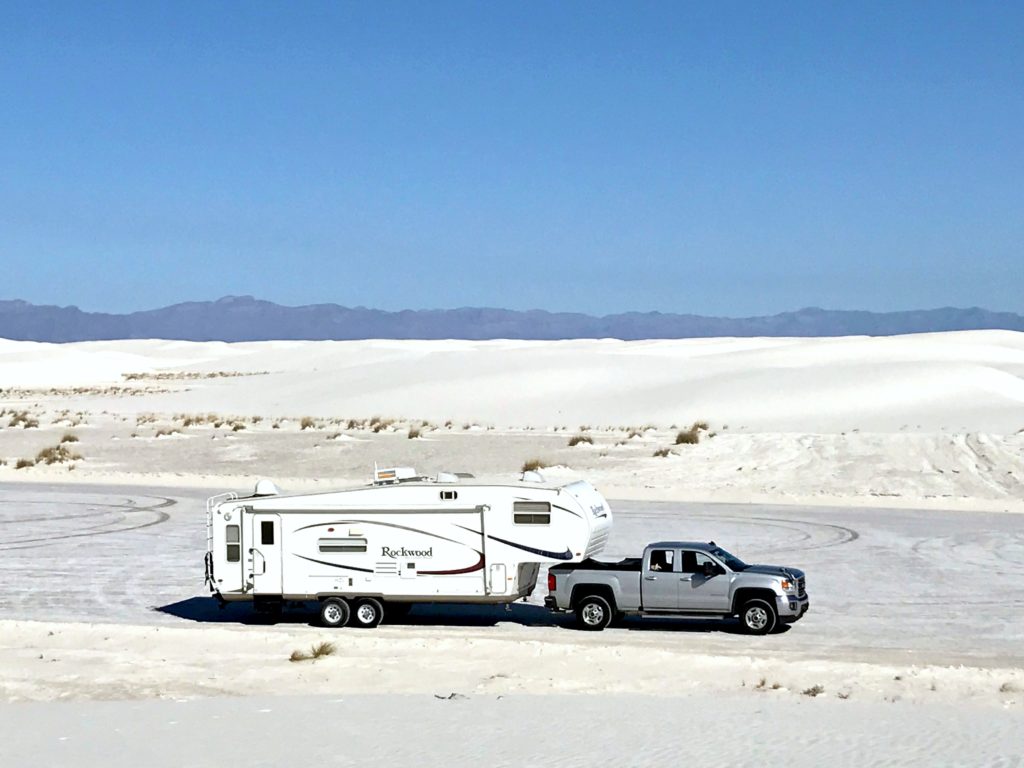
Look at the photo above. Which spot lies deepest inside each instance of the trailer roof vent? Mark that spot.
(533, 476)
(265, 487)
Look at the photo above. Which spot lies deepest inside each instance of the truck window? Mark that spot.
(234, 546)
(662, 559)
(693, 562)
(531, 513)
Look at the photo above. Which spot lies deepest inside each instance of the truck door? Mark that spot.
(700, 592)
(659, 587)
(265, 553)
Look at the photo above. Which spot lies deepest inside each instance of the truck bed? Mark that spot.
(626, 564)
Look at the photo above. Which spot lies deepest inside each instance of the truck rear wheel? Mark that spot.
(758, 616)
(367, 612)
(334, 612)
(593, 613)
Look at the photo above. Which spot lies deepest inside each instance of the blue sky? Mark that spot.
(717, 158)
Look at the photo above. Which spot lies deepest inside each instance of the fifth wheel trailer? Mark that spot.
(401, 540)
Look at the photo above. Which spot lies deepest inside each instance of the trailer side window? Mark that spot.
(342, 545)
(267, 532)
(531, 513)
(234, 545)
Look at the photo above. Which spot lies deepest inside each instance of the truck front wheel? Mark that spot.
(758, 617)
(593, 613)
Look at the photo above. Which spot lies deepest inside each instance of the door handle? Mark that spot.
(650, 578)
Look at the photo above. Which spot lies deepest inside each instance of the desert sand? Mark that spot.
(892, 470)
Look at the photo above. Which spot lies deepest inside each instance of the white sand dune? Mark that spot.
(965, 381)
(928, 420)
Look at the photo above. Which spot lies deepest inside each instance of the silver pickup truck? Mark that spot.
(679, 578)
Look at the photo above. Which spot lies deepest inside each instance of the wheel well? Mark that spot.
(742, 595)
(581, 591)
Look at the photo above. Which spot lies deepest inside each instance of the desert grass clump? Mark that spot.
(689, 436)
(307, 423)
(531, 465)
(814, 690)
(58, 454)
(414, 432)
(379, 424)
(315, 652)
(145, 418)
(661, 453)
(580, 439)
(166, 432)
(23, 419)
(1007, 687)
(24, 463)
(237, 426)
(69, 437)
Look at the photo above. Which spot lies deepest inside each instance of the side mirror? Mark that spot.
(710, 569)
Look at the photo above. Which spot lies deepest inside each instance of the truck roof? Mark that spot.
(705, 546)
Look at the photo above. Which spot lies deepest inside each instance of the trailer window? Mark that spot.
(342, 545)
(234, 545)
(531, 513)
(267, 531)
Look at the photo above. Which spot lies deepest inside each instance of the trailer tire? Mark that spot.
(334, 612)
(367, 612)
(593, 613)
(758, 616)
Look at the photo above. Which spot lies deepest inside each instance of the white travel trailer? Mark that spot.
(401, 540)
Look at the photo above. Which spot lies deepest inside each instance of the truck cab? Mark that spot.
(682, 578)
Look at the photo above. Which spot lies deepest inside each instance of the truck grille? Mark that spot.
(801, 587)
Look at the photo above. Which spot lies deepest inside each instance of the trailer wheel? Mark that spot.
(593, 613)
(367, 612)
(758, 617)
(334, 612)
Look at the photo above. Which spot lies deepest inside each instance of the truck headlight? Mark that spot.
(787, 585)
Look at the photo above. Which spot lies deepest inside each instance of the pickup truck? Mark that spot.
(679, 578)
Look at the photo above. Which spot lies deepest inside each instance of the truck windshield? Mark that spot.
(734, 563)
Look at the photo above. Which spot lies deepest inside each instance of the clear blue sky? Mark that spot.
(715, 158)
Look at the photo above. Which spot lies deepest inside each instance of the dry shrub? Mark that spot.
(23, 419)
(687, 437)
(166, 432)
(58, 454)
(307, 423)
(24, 464)
(580, 439)
(414, 432)
(661, 453)
(814, 690)
(69, 437)
(531, 465)
(237, 426)
(315, 652)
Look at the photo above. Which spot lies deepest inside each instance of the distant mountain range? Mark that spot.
(243, 318)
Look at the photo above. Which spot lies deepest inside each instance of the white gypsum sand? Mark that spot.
(925, 420)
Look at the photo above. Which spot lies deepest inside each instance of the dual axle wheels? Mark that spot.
(365, 612)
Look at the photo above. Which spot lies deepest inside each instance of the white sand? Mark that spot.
(931, 420)
(914, 632)
(963, 381)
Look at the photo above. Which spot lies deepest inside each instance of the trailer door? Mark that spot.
(265, 553)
